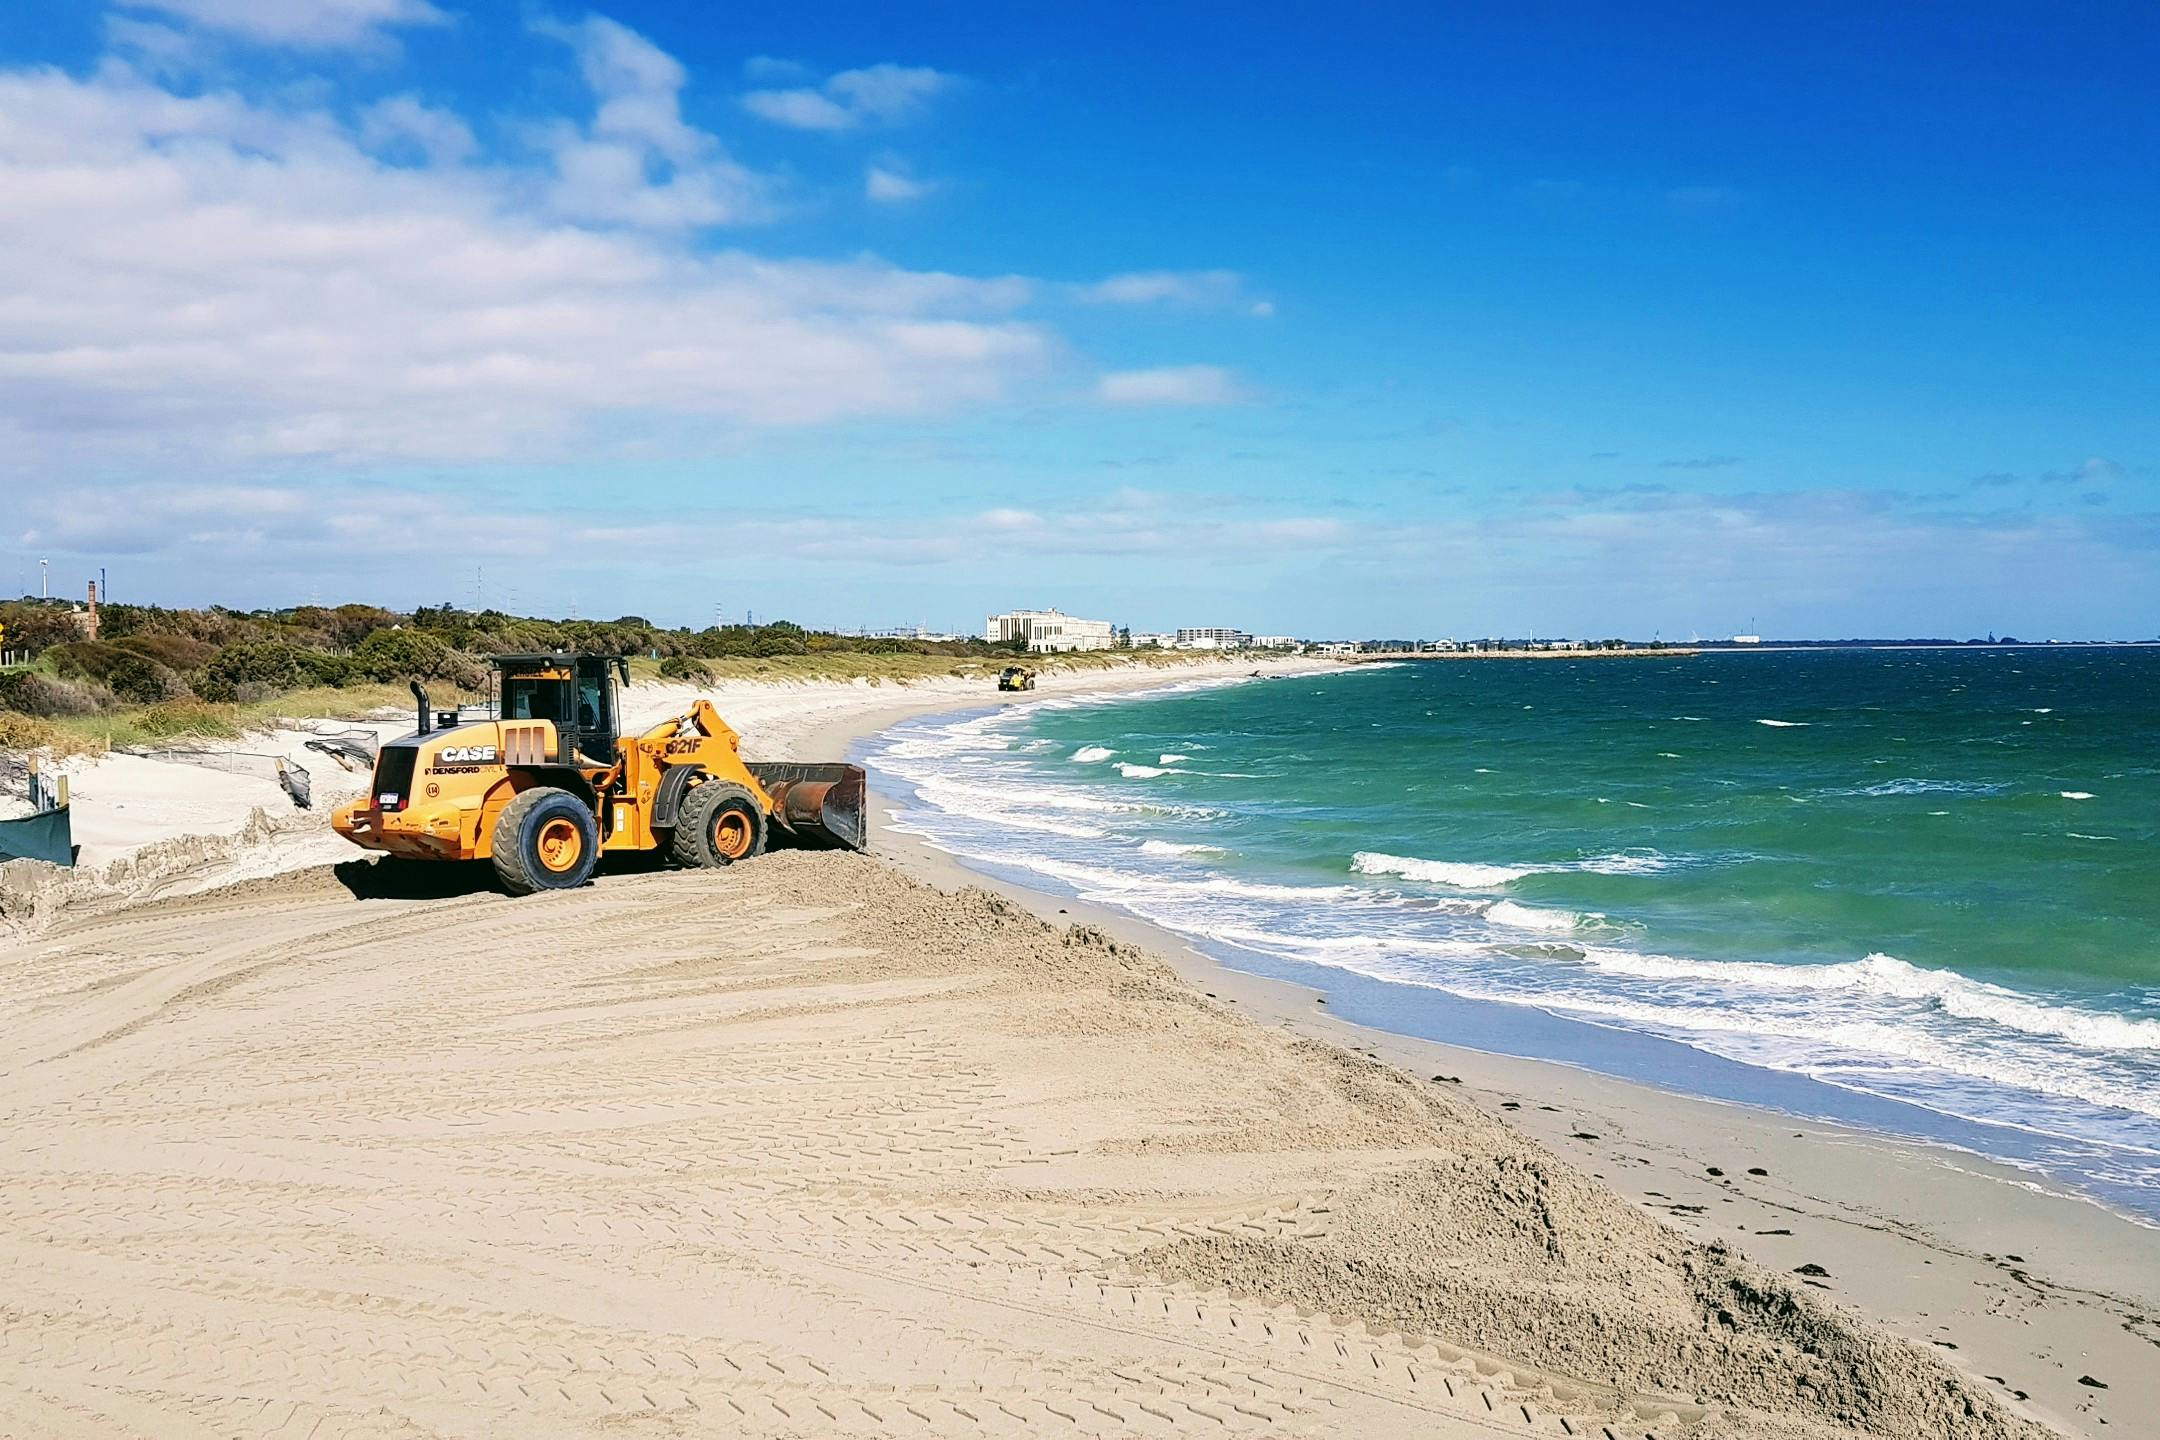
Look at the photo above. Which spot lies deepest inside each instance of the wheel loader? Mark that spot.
(548, 784)
(1016, 677)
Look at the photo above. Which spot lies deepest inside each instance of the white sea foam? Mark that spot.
(2077, 795)
(1283, 942)
(1530, 917)
(1470, 875)
(1093, 880)
(1915, 786)
(1786, 724)
(1170, 757)
(1630, 862)
(1139, 772)
(1438, 872)
(1928, 1037)
(1174, 847)
(1886, 975)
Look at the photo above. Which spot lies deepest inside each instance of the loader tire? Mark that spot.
(545, 839)
(719, 823)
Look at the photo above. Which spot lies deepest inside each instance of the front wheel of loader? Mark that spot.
(719, 823)
(545, 839)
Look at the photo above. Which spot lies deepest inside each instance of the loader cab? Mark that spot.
(576, 692)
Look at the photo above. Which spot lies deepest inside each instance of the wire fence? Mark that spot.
(352, 750)
(290, 775)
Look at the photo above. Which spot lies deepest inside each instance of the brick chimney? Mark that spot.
(90, 626)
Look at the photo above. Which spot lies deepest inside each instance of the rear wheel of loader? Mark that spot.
(546, 839)
(719, 823)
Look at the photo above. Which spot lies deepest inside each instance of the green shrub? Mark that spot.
(401, 654)
(179, 653)
(38, 625)
(255, 666)
(679, 667)
(83, 659)
(392, 655)
(323, 667)
(190, 716)
(31, 692)
(25, 732)
(139, 680)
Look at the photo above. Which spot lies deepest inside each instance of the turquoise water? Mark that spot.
(1927, 881)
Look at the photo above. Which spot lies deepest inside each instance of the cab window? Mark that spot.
(528, 697)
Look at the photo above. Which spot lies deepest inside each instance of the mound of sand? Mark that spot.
(803, 1147)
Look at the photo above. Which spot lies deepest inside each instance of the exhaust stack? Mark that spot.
(420, 697)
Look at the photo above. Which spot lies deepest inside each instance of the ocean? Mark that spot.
(1912, 890)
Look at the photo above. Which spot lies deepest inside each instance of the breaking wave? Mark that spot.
(1176, 847)
(1207, 859)
(1530, 917)
(1472, 875)
(1439, 872)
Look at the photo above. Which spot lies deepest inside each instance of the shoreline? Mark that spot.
(2033, 1289)
(2024, 1287)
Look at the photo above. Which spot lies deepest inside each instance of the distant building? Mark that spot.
(1212, 638)
(909, 632)
(1049, 630)
(1334, 647)
(1274, 642)
(1747, 639)
(1152, 640)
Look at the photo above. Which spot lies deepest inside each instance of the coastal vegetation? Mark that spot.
(154, 674)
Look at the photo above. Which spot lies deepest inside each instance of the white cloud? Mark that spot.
(349, 531)
(638, 162)
(890, 186)
(1169, 385)
(879, 94)
(438, 136)
(1161, 287)
(207, 281)
(800, 109)
(887, 93)
(303, 24)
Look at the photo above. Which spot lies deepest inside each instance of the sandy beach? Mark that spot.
(831, 1144)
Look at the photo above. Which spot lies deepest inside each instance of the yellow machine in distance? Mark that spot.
(548, 784)
(1016, 677)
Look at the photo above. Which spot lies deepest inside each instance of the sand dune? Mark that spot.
(805, 1148)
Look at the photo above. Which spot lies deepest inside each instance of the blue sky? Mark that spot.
(1333, 320)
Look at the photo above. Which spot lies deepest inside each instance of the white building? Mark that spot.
(1747, 639)
(1274, 642)
(1152, 640)
(1049, 630)
(1212, 638)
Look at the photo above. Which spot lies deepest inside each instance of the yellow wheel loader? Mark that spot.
(548, 784)
(1016, 677)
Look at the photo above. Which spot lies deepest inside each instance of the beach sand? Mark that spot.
(809, 1146)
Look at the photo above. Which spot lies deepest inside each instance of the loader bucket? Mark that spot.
(817, 805)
